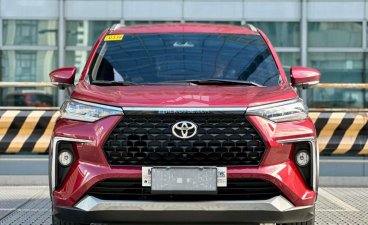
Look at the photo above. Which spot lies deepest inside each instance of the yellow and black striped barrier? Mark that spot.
(339, 133)
(26, 130)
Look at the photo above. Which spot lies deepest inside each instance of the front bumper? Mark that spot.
(92, 167)
(71, 203)
(275, 210)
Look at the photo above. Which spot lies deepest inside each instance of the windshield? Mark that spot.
(172, 57)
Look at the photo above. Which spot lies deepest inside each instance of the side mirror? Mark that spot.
(304, 77)
(63, 77)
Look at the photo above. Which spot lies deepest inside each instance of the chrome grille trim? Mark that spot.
(183, 110)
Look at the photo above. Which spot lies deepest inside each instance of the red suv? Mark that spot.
(183, 123)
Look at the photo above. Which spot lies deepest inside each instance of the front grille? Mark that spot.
(221, 140)
(131, 189)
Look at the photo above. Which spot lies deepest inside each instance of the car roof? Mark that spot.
(183, 28)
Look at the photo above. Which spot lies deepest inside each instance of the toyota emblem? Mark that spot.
(184, 129)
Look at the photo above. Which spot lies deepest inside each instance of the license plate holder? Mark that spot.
(184, 180)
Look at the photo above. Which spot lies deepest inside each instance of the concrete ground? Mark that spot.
(30, 205)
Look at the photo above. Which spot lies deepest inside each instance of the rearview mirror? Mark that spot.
(304, 77)
(63, 77)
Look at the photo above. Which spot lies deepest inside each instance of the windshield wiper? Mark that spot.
(113, 83)
(225, 82)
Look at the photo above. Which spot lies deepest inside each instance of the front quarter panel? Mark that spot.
(279, 155)
(97, 132)
(90, 157)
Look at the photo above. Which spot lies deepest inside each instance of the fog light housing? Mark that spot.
(65, 158)
(302, 158)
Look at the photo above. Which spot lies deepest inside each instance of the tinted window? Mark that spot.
(151, 58)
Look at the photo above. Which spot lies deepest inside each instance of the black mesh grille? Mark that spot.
(131, 189)
(221, 140)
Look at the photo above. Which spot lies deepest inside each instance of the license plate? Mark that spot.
(182, 180)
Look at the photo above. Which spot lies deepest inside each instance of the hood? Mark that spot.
(182, 95)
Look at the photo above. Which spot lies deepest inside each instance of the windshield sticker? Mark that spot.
(114, 37)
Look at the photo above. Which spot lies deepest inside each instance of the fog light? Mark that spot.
(302, 158)
(65, 158)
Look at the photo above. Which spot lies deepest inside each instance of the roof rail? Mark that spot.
(253, 28)
(116, 25)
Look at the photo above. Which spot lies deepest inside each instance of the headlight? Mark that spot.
(282, 111)
(85, 111)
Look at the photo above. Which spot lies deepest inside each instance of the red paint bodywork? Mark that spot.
(182, 95)
(277, 164)
(302, 75)
(64, 75)
(182, 28)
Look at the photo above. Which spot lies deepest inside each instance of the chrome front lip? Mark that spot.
(275, 204)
